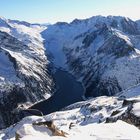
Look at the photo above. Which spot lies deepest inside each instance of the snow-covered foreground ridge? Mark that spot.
(99, 118)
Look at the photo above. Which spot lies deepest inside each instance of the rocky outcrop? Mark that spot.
(128, 116)
(55, 131)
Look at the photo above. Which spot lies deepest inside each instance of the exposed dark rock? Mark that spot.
(128, 116)
(115, 112)
(8, 104)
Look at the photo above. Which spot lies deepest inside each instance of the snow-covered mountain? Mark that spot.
(24, 77)
(102, 52)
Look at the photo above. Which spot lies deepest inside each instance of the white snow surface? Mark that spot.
(113, 131)
(136, 109)
(85, 122)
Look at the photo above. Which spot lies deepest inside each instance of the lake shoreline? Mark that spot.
(69, 91)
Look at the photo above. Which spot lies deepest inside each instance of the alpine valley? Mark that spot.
(82, 77)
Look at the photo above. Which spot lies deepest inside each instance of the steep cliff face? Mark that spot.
(24, 74)
(102, 52)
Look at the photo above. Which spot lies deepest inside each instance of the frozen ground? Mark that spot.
(83, 120)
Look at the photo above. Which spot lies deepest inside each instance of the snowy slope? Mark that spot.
(64, 33)
(88, 119)
(133, 91)
(24, 77)
(102, 52)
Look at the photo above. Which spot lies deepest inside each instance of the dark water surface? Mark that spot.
(69, 91)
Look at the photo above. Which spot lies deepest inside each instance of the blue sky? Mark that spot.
(43, 11)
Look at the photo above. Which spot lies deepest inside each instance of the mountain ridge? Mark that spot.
(24, 74)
